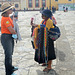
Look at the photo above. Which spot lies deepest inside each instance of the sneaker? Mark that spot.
(13, 74)
(15, 68)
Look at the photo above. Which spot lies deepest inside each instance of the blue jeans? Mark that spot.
(8, 45)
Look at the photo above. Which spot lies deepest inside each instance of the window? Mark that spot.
(69, 0)
(56, 0)
(16, 5)
(30, 3)
(43, 3)
(36, 3)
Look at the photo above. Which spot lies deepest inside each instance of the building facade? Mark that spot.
(38, 4)
(15, 3)
(55, 3)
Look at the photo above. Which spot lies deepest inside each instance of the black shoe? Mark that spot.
(15, 68)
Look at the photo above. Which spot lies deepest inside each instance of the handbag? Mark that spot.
(54, 33)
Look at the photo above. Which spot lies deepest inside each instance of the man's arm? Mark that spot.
(11, 30)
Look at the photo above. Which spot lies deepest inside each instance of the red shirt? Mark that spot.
(6, 22)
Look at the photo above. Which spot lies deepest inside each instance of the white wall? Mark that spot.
(23, 4)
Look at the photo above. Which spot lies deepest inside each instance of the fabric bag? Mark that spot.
(39, 53)
(39, 56)
(54, 33)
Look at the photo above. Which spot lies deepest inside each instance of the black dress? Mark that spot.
(50, 48)
(40, 56)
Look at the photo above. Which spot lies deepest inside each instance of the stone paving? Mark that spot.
(23, 56)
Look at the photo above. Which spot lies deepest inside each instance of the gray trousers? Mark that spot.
(8, 45)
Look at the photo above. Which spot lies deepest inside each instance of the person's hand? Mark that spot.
(31, 23)
(35, 25)
(42, 25)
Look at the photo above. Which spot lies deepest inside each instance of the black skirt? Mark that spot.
(50, 49)
(40, 56)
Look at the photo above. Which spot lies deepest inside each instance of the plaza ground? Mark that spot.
(23, 56)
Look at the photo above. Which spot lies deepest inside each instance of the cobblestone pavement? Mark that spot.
(23, 56)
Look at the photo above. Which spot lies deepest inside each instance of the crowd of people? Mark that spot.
(53, 9)
(43, 45)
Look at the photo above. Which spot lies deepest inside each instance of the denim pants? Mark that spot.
(8, 45)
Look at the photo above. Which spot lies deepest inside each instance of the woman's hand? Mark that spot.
(35, 25)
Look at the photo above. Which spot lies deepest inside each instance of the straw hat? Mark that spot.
(5, 7)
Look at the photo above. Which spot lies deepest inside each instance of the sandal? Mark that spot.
(46, 70)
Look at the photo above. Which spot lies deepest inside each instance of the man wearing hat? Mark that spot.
(6, 37)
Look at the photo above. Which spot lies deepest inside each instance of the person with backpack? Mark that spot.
(46, 45)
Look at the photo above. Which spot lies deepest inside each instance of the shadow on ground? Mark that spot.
(60, 55)
(51, 72)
